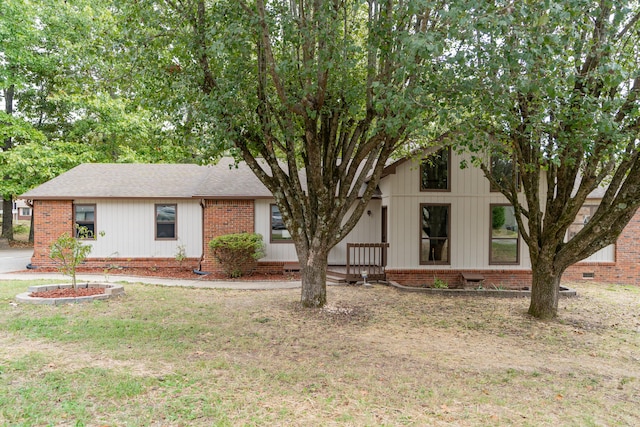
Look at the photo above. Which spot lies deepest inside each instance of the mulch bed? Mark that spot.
(68, 293)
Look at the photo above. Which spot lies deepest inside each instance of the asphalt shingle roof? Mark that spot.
(132, 180)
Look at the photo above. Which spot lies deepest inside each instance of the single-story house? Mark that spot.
(20, 210)
(430, 220)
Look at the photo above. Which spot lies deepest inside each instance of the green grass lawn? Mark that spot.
(164, 356)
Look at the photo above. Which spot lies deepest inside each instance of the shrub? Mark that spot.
(237, 253)
(439, 284)
(181, 254)
(20, 229)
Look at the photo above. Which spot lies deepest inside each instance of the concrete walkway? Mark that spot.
(13, 263)
(190, 283)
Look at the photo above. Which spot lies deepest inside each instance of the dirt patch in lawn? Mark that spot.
(374, 356)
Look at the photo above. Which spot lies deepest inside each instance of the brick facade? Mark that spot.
(626, 269)
(51, 219)
(511, 279)
(225, 217)
(105, 263)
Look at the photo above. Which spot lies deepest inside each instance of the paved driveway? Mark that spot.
(14, 259)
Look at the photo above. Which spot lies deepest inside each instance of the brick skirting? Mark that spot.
(510, 279)
(105, 263)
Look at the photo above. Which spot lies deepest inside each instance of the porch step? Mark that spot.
(334, 278)
(291, 267)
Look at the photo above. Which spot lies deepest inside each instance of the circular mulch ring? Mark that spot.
(66, 294)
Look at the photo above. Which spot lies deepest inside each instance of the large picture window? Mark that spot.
(166, 222)
(435, 171)
(279, 232)
(505, 243)
(85, 221)
(434, 234)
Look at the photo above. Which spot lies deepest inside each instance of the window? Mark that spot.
(434, 234)
(502, 171)
(166, 222)
(434, 171)
(505, 244)
(585, 213)
(24, 211)
(85, 219)
(279, 232)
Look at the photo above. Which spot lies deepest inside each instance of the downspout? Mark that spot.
(199, 270)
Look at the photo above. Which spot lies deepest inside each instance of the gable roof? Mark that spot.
(134, 180)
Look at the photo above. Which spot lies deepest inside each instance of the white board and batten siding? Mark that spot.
(367, 230)
(470, 216)
(129, 229)
(470, 201)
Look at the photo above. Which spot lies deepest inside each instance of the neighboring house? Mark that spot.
(21, 210)
(438, 220)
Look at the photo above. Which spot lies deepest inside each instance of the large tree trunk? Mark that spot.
(545, 290)
(314, 277)
(7, 203)
(7, 219)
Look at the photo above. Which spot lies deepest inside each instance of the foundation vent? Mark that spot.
(589, 275)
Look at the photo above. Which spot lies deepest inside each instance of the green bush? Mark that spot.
(20, 229)
(237, 253)
(439, 284)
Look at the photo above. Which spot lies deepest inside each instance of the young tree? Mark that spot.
(557, 88)
(329, 87)
(69, 252)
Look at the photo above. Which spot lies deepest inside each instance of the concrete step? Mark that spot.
(332, 278)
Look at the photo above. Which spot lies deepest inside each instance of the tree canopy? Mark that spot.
(332, 88)
(65, 90)
(316, 96)
(556, 88)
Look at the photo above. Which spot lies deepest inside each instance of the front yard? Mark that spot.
(176, 357)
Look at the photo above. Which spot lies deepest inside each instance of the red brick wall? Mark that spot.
(626, 269)
(51, 218)
(510, 279)
(270, 267)
(225, 217)
(186, 264)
